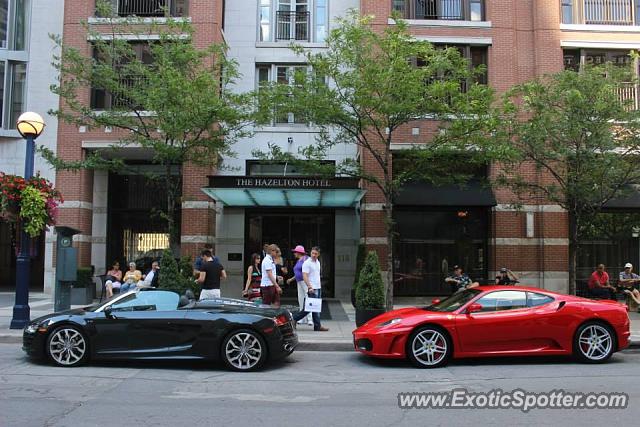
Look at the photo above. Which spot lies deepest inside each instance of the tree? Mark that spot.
(365, 89)
(166, 95)
(574, 130)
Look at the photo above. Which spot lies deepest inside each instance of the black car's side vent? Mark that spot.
(562, 303)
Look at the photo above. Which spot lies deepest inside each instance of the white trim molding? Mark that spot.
(288, 45)
(601, 28)
(516, 241)
(107, 37)
(137, 20)
(198, 204)
(473, 41)
(76, 204)
(629, 44)
(372, 206)
(442, 23)
(374, 240)
(197, 239)
(82, 238)
(504, 207)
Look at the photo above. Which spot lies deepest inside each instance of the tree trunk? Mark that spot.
(174, 243)
(573, 252)
(389, 228)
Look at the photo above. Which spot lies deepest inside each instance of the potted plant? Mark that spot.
(82, 290)
(359, 262)
(369, 291)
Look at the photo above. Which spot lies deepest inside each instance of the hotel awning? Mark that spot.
(472, 193)
(258, 191)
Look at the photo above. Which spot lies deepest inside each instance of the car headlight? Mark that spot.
(32, 328)
(390, 322)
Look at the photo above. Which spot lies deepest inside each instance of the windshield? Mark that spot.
(455, 301)
(94, 307)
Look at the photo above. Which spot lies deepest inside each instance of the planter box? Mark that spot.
(364, 315)
(82, 296)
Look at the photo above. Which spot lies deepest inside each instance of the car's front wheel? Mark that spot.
(429, 347)
(244, 350)
(594, 342)
(67, 346)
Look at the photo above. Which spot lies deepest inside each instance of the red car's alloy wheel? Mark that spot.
(594, 342)
(429, 347)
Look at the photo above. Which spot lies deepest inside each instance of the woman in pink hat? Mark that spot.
(301, 256)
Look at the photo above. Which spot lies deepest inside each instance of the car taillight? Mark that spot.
(282, 319)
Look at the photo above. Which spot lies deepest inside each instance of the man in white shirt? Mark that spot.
(311, 276)
(151, 279)
(269, 287)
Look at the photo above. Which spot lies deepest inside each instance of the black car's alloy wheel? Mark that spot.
(429, 347)
(594, 342)
(244, 350)
(67, 346)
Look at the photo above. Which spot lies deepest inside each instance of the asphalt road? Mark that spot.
(308, 389)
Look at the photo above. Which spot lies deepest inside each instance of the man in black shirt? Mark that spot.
(211, 271)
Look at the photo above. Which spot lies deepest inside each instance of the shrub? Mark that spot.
(370, 289)
(174, 277)
(360, 257)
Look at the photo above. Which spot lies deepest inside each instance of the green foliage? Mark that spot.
(33, 211)
(370, 290)
(175, 276)
(83, 277)
(360, 257)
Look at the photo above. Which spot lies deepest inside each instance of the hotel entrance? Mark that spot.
(287, 229)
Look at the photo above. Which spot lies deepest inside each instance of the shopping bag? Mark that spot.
(313, 305)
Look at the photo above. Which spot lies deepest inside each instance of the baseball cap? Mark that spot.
(628, 265)
(299, 250)
(503, 270)
(455, 267)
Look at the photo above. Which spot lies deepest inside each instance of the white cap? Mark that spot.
(628, 265)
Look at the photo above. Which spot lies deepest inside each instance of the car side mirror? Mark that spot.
(474, 308)
(108, 312)
(435, 301)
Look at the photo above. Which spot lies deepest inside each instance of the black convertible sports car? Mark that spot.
(157, 324)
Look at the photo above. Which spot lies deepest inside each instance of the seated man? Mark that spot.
(151, 278)
(627, 281)
(459, 281)
(599, 285)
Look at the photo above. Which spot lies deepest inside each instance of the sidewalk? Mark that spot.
(338, 316)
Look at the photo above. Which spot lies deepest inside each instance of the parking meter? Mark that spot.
(66, 267)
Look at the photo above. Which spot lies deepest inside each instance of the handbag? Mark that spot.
(313, 305)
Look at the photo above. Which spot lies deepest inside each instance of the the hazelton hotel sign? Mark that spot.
(282, 182)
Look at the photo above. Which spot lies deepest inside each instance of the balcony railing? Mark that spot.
(600, 12)
(292, 25)
(150, 8)
(628, 94)
(454, 10)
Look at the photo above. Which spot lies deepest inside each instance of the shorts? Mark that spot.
(270, 295)
(209, 294)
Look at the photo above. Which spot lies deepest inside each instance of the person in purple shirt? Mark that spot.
(301, 257)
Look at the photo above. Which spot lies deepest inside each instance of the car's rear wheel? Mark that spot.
(594, 342)
(244, 350)
(67, 346)
(429, 347)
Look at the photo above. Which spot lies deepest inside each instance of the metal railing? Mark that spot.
(455, 10)
(292, 25)
(628, 94)
(150, 8)
(600, 12)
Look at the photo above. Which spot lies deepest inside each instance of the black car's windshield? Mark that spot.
(94, 307)
(455, 301)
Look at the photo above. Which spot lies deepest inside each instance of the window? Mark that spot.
(535, 299)
(292, 20)
(282, 74)
(13, 74)
(476, 55)
(567, 11)
(458, 10)
(148, 300)
(260, 168)
(503, 300)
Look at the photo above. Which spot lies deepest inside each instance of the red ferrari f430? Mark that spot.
(490, 321)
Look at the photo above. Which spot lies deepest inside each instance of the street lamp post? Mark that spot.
(30, 125)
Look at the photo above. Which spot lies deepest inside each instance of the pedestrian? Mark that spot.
(627, 281)
(198, 262)
(269, 287)
(301, 257)
(311, 277)
(281, 269)
(113, 280)
(131, 278)
(599, 285)
(210, 274)
(254, 278)
(506, 277)
(459, 281)
(152, 277)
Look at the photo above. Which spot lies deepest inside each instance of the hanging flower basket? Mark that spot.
(33, 201)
